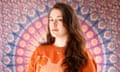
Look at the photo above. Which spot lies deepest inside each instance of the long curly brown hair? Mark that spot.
(75, 57)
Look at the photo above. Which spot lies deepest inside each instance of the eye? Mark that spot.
(60, 20)
(50, 19)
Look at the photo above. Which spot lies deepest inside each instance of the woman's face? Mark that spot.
(56, 25)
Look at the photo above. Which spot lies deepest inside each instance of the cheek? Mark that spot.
(63, 29)
(50, 26)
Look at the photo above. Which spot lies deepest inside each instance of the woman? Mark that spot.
(64, 50)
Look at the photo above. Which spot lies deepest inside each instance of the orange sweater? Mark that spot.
(49, 58)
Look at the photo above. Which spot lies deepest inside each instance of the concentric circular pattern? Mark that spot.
(29, 31)
(30, 39)
(93, 45)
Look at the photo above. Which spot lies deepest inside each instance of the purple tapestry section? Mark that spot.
(23, 25)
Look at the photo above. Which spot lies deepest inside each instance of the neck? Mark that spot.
(61, 42)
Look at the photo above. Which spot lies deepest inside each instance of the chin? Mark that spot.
(53, 35)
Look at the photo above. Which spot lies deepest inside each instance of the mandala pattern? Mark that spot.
(23, 26)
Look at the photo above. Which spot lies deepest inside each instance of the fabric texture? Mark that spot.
(48, 58)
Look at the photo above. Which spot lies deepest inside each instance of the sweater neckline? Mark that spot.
(59, 50)
(58, 46)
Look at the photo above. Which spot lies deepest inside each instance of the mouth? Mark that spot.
(54, 29)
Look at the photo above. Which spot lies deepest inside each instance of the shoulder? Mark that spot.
(42, 48)
(88, 53)
(91, 64)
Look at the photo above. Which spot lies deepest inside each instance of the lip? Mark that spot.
(54, 29)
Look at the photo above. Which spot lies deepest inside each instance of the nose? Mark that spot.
(55, 23)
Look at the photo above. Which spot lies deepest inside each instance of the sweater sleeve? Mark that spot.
(32, 63)
(91, 64)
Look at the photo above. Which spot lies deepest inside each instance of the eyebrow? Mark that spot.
(57, 16)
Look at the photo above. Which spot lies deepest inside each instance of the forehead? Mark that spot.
(55, 13)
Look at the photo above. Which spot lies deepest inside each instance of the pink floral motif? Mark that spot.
(13, 13)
